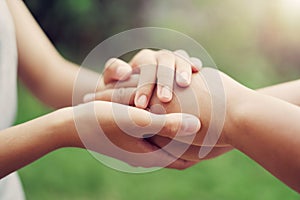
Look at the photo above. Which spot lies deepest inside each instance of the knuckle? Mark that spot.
(165, 54)
(182, 61)
(181, 53)
(172, 128)
(145, 88)
(110, 62)
(145, 58)
(146, 51)
(146, 85)
(118, 94)
(197, 62)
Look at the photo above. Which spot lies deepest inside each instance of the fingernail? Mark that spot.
(190, 125)
(123, 72)
(183, 78)
(197, 63)
(148, 136)
(89, 97)
(142, 101)
(166, 93)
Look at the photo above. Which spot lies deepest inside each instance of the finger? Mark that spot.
(191, 153)
(182, 53)
(146, 85)
(155, 157)
(116, 70)
(139, 152)
(135, 123)
(146, 62)
(165, 75)
(161, 158)
(106, 135)
(121, 95)
(186, 56)
(176, 125)
(141, 123)
(141, 56)
(181, 164)
(132, 122)
(183, 71)
(197, 64)
(175, 148)
(131, 82)
(198, 140)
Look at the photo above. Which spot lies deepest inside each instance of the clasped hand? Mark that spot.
(149, 81)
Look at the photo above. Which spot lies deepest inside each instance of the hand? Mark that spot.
(118, 70)
(121, 133)
(152, 66)
(188, 100)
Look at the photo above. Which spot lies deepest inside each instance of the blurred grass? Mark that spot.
(229, 32)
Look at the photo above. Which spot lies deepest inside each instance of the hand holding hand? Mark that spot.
(118, 131)
(183, 102)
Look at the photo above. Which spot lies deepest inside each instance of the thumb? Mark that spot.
(139, 123)
(178, 125)
(166, 125)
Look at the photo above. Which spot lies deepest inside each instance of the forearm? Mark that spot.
(286, 91)
(66, 84)
(267, 130)
(49, 76)
(25, 143)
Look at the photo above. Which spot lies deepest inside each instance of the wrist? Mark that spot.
(237, 116)
(64, 129)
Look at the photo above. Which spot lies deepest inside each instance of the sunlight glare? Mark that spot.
(290, 8)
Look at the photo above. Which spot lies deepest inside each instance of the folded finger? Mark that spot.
(116, 70)
(165, 75)
(183, 71)
(120, 95)
(152, 156)
(131, 82)
(191, 153)
(186, 57)
(197, 64)
(146, 85)
(145, 61)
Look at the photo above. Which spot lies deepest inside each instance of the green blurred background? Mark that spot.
(256, 42)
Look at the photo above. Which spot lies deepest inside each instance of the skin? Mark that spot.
(56, 130)
(51, 78)
(155, 67)
(285, 91)
(264, 120)
(256, 129)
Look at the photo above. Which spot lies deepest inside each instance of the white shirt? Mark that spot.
(10, 187)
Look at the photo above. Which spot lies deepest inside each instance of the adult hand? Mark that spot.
(118, 131)
(185, 102)
(127, 96)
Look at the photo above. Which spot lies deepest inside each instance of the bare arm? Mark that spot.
(44, 71)
(265, 128)
(27, 142)
(288, 91)
(24, 143)
(268, 130)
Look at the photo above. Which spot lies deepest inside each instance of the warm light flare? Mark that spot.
(290, 8)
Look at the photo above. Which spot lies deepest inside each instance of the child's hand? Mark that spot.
(153, 67)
